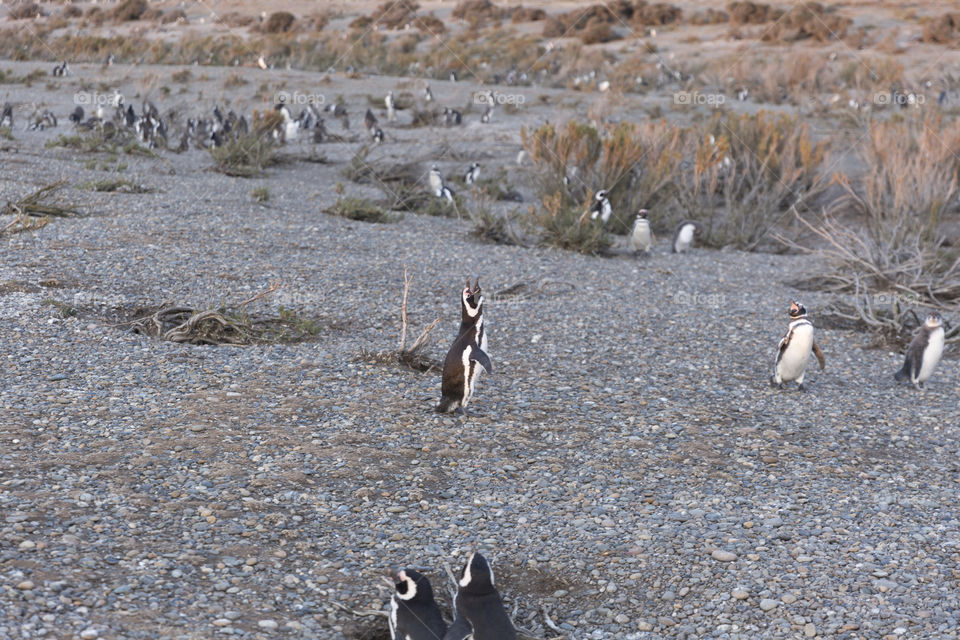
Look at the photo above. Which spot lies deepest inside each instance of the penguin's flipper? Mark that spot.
(479, 355)
(819, 355)
(459, 630)
(784, 343)
(904, 372)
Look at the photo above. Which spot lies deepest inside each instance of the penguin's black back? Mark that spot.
(419, 618)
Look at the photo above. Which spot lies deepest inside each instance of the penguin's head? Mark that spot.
(643, 213)
(934, 320)
(410, 584)
(601, 195)
(797, 310)
(476, 576)
(472, 298)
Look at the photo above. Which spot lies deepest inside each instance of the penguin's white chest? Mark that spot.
(793, 362)
(640, 239)
(931, 355)
(684, 238)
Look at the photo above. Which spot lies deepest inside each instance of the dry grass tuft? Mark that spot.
(25, 11)
(395, 14)
(808, 20)
(248, 155)
(34, 210)
(751, 13)
(279, 22)
(943, 29)
(129, 10)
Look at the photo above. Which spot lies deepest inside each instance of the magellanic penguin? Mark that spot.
(601, 206)
(414, 614)
(795, 347)
(924, 352)
(435, 180)
(473, 174)
(390, 103)
(683, 236)
(467, 355)
(641, 238)
(478, 604)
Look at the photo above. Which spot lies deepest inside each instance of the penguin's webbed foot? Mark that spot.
(800, 387)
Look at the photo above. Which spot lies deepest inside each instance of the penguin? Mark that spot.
(77, 116)
(108, 62)
(377, 135)
(467, 355)
(683, 236)
(478, 603)
(794, 349)
(487, 115)
(924, 353)
(391, 107)
(288, 132)
(473, 174)
(370, 121)
(414, 614)
(6, 115)
(601, 207)
(641, 237)
(447, 194)
(436, 181)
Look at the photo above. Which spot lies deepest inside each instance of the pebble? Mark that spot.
(739, 594)
(723, 556)
(267, 624)
(767, 604)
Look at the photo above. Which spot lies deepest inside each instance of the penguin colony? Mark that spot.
(478, 610)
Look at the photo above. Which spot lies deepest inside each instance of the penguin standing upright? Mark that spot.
(391, 107)
(794, 349)
(436, 181)
(924, 353)
(683, 236)
(467, 355)
(6, 115)
(414, 614)
(478, 605)
(641, 237)
(473, 174)
(601, 206)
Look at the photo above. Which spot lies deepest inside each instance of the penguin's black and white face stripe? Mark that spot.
(406, 586)
(477, 576)
(797, 310)
(472, 298)
(934, 320)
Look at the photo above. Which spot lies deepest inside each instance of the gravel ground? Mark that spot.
(626, 468)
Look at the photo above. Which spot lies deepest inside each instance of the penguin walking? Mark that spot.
(391, 107)
(473, 174)
(414, 614)
(467, 355)
(427, 93)
(370, 121)
(601, 206)
(478, 605)
(6, 115)
(683, 236)
(641, 237)
(794, 349)
(435, 180)
(924, 353)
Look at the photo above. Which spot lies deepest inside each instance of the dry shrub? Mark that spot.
(657, 14)
(248, 155)
(709, 16)
(129, 10)
(279, 22)
(636, 163)
(944, 29)
(808, 20)
(24, 11)
(72, 11)
(395, 14)
(152, 14)
(564, 226)
(596, 32)
(751, 13)
(318, 21)
(361, 22)
(573, 23)
(896, 250)
(429, 24)
(478, 13)
(527, 14)
(176, 15)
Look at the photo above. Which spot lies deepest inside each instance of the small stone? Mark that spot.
(643, 625)
(196, 427)
(26, 545)
(267, 624)
(768, 604)
(788, 598)
(622, 619)
(26, 585)
(723, 556)
(88, 634)
(221, 622)
(809, 630)
(739, 594)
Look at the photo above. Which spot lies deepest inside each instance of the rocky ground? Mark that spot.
(627, 468)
